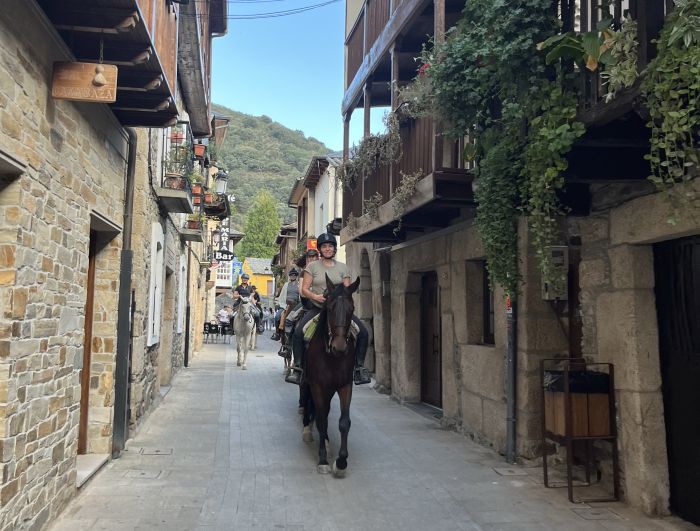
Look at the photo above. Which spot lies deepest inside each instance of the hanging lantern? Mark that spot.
(221, 178)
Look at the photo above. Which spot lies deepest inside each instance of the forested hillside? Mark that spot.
(261, 154)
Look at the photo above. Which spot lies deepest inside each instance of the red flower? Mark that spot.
(423, 69)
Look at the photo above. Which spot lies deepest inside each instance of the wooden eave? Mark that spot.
(191, 70)
(296, 193)
(218, 17)
(145, 96)
(438, 201)
(175, 201)
(317, 168)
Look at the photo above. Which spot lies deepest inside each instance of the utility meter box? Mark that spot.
(559, 290)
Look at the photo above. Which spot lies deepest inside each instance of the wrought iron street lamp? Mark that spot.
(220, 180)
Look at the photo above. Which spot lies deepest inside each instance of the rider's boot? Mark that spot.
(360, 375)
(284, 351)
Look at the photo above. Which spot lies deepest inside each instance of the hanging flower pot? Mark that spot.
(194, 224)
(196, 188)
(208, 198)
(197, 199)
(199, 150)
(174, 181)
(177, 137)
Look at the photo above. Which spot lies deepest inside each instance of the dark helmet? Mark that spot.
(293, 272)
(245, 276)
(326, 238)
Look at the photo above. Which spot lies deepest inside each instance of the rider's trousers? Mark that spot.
(298, 338)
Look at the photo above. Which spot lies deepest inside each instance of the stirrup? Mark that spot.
(361, 375)
(284, 352)
(295, 375)
(275, 337)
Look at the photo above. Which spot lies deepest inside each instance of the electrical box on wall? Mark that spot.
(559, 258)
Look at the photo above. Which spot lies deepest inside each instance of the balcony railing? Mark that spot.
(372, 20)
(584, 15)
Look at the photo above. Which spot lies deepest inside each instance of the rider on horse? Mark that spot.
(313, 286)
(244, 289)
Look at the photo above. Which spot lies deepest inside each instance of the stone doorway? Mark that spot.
(431, 341)
(677, 268)
(87, 346)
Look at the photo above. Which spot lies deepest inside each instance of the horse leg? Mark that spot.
(322, 406)
(341, 464)
(307, 407)
(238, 351)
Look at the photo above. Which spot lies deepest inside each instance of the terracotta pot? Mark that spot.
(208, 198)
(194, 224)
(199, 150)
(177, 137)
(197, 188)
(175, 181)
(197, 199)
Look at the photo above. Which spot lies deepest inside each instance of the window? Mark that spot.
(155, 297)
(488, 307)
(181, 293)
(479, 304)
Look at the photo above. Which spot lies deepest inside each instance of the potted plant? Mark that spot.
(199, 150)
(208, 197)
(174, 181)
(194, 221)
(177, 135)
(195, 183)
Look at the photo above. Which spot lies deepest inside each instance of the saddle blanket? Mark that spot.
(310, 329)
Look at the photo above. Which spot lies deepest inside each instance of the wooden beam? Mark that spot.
(147, 84)
(367, 105)
(85, 22)
(346, 135)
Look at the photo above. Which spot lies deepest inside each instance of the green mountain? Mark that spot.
(261, 154)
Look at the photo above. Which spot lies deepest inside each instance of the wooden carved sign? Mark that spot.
(84, 82)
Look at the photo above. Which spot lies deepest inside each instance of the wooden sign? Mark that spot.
(84, 82)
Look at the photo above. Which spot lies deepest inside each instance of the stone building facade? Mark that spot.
(64, 172)
(63, 168)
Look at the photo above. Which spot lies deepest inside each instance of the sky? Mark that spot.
(288, 68)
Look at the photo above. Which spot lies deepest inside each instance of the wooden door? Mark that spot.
(87, 348)
(431, 348)
(677, 265)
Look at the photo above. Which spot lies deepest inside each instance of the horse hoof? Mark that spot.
(324, 469)
(307, 437)
(338, 472)
(243, 367)
(238, 364)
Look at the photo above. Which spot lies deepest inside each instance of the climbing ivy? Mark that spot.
(671, 89)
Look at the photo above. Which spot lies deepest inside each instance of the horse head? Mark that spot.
(245, 309)
(339, 310)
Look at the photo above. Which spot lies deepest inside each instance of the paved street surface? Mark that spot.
(224, 451)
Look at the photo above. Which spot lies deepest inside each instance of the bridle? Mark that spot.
(245, 309)
(329, 328)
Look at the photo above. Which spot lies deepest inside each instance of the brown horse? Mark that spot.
(329, 367)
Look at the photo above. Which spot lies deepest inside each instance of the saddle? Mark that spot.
(312, 325)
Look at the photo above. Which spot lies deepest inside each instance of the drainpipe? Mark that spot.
(511, 375)
(120, 430)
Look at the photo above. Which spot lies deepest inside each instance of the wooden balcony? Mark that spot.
(583, 16)
(441, 196)
(140, 38)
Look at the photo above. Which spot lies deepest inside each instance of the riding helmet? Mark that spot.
(293, 272)
(245, 276)
(326, 238)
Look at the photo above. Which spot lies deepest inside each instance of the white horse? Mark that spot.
(244, 327)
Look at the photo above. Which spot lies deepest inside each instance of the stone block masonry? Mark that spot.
(72, 164)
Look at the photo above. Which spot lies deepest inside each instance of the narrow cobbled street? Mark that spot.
(224, 451)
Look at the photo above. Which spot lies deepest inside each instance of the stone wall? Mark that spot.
(620, 327)
(73, 159)
(473, 376)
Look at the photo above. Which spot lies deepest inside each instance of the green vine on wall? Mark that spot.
(371, 206)
(671, 88)
(403, 194)
(374, 151)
